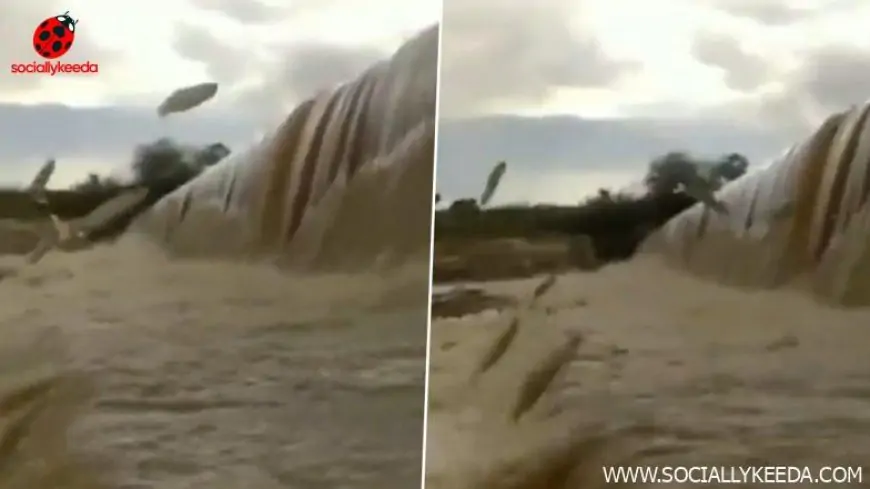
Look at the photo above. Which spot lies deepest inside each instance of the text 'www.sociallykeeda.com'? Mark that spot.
(732, 475)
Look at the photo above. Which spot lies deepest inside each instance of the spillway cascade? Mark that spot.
(802, 222)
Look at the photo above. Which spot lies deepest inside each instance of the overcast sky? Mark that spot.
(266, 55)
(580, 94)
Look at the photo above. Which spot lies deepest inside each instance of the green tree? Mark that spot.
(464, 208)
(729, 167)
(165, 160)
(666, 173)
(161, 160)
(210, 155)
(95, 183)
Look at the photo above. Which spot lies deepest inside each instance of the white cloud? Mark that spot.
(143, 38)
(753, 76)
(670, 42)
(145, 50)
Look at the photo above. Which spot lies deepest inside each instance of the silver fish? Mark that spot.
(73, 234)
(492, 182)
(187, 98)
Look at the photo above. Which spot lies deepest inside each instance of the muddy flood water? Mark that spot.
(671, 371)
(122, 369)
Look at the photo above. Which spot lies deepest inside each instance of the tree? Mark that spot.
(729, 167)
(95, 183)
(165, 160)
(668, 172)
(160, 160)
(210, 155)
(90, 184)
(464, 208)
(462, 204)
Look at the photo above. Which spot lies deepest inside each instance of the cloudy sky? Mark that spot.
(267, 55)
(580, 94)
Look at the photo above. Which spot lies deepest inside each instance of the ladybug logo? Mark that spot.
(54, 36)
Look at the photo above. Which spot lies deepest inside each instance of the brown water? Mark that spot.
(121, 368)
(672, 371)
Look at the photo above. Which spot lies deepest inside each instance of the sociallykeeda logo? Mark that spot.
(49, 68)
(52, 39)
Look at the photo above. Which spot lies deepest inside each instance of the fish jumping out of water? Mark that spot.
(74, 234)
(187, 98)
(492, 182)
(36, 189)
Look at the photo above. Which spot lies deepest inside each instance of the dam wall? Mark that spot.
(804, 221)
(345, 181)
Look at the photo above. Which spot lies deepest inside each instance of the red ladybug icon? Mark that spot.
(54, 36)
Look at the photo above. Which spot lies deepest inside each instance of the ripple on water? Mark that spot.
(682, 373)
(207, 371)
